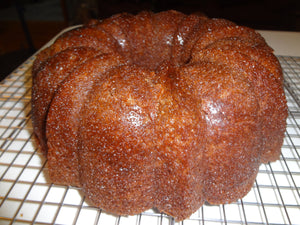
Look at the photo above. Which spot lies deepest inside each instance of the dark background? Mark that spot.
(45, 18)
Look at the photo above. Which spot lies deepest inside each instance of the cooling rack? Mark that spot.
(28, 197)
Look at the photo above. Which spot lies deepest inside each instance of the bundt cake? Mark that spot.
(158, 110)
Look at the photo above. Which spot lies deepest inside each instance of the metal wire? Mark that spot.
(27, 196)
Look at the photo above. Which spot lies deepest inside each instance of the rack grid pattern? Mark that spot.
(27, 196)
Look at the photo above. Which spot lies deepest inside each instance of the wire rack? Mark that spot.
(27, 196)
